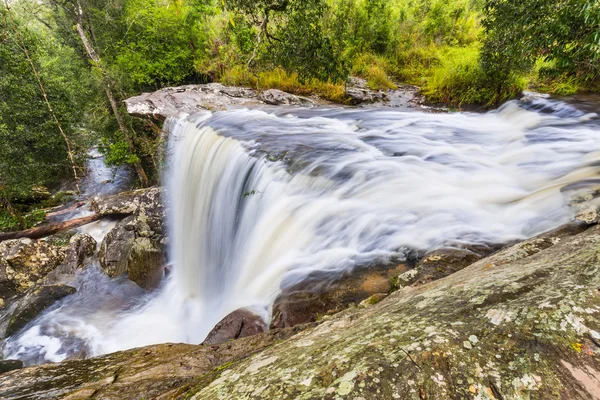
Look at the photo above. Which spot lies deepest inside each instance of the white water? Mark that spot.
(262, 198)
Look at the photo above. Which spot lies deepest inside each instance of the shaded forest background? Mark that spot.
(66, 66)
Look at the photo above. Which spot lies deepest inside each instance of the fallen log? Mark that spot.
(56, 211)
(50, 229)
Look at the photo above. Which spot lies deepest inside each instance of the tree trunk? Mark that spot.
(47, 230)
(109, 93)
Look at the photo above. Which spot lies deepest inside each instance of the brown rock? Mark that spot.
(319, 295)
(239, 324)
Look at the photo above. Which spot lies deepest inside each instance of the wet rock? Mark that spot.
(10, 365)
(277, 97)
(436, 265)
(131, 247)
(239, 324)
(33, 303)
(23, 262)
(321, 294)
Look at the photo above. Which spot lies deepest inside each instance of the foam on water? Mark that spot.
(261, 198)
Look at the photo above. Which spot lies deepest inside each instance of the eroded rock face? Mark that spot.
(239, 324)
(23, 262)
(33, 303)
(81, 247)
(319, 295)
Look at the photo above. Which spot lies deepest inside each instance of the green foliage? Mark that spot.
(458, 79)
(32, 149)
(10, 222)
(293, 36)
(565, 32)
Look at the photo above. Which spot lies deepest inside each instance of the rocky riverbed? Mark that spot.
(520, 323)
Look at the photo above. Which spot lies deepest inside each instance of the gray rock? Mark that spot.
(146, 202)
(189, 99)
(359, 96)
(131, 247)
(81, 247)
(277, 97)
(239, 324)
(33, 303)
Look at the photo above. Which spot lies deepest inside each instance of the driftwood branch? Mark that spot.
(60, 210)
(50, 229)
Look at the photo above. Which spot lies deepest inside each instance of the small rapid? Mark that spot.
(261, 198)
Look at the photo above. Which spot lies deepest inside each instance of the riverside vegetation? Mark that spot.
(66, 65)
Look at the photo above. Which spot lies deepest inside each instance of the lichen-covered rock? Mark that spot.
(131, 247)
(436, 265)
(523, 323)
(144, 202)
(239, 324)
(277, 97)
(189, 99)
(23, 262)
(164, 371)
(321, 294)
(33, 303)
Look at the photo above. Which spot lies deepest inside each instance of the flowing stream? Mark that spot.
(260, 198)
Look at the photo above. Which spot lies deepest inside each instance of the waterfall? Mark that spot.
(261, 198)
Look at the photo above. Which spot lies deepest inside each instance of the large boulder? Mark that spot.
(239, 324)
(33, 303)
(323, 294)
(132, 247)
(523, 323)
(23, 262)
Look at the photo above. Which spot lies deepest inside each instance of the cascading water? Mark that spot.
(261, 198)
